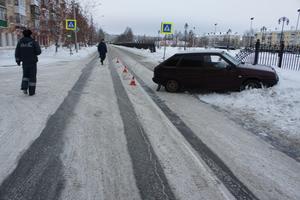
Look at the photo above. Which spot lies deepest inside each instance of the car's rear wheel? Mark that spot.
(251, 84)
(172, 86)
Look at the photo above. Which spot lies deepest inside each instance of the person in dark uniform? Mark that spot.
(102, 50)
(26, 52)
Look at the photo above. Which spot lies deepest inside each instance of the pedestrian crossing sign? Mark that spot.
(166, 28)
(71, 24)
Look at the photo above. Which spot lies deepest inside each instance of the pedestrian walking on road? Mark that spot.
(26, 52)
(102, 50)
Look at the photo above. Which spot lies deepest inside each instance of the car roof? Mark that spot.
(211, 51)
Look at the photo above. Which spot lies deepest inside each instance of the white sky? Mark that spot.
(144, 17)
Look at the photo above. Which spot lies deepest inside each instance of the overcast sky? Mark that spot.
(144, 17)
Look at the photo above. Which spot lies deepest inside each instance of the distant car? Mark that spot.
(212, 71)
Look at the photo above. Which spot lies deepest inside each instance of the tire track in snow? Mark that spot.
(218, 167)
(254, 126)
(39, 173)
(150, 178)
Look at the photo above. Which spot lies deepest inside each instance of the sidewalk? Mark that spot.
(22, 117)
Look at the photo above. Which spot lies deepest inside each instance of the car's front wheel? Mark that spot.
(251, 84)
(172, 86)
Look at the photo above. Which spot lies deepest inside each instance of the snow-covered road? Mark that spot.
(88, 134)
(22, 119)
(267, 172)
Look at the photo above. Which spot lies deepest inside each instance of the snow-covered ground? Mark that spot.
(22, 118)
(87, 168)
(270, 112)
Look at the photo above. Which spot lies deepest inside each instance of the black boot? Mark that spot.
(31, 89)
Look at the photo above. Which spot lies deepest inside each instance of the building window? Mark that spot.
(3, 14)
(2, 3)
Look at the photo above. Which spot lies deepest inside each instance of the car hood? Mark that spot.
(257, 67)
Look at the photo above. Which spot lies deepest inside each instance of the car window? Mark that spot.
(191, 61)
(230, 58)
(216, 61)
(172, 61)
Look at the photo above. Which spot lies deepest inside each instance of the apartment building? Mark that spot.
(273, 37)
(224, 39)
(43, 17)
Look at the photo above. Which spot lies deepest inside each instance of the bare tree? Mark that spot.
(127, 36)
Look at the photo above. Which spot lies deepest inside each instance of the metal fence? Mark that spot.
(286, 57)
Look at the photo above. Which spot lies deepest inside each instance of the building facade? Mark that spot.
(274, 37)
(43, 17)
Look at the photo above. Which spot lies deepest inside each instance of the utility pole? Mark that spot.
(75, 32)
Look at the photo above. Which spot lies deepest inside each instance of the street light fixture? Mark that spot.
(215, 27)
(251, 31)
(283, 20)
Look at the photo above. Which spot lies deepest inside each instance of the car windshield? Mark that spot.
(230, 58)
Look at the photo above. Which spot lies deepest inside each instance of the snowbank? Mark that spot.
(48, 56)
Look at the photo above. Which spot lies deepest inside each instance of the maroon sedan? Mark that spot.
(211, 70)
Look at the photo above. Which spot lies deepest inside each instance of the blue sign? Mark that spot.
(166, 28)
(71, 24)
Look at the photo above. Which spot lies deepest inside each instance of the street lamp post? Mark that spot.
(263, 33)
(228, 35)
(75, 32)
(185, 33)
(283, 20)
(158, 38)
(297, 26)
(215, 34)
(193, 35)
(251, 31)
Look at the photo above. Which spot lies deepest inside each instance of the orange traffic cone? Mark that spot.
(132, 82)
(125, 70)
